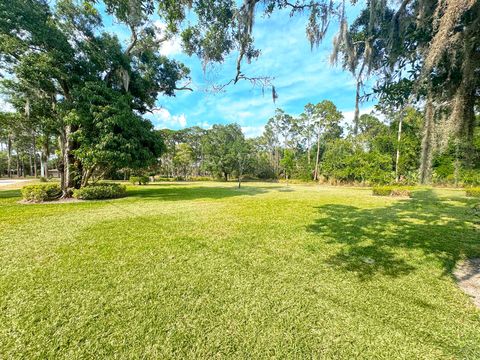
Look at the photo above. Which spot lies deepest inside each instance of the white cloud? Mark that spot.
(348, 115)
(172, 46)
(163, 119)
(204, 125)
(5, 106)
(253, 131)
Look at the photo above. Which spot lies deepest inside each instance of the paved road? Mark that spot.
(5, 182)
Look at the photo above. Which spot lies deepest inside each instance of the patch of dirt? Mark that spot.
(468, 277)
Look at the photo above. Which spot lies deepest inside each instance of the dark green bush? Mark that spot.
(140, 180)
(41, 192)
(473, 192)
(392, 191)
(43, 179)
(471, 177)
(100, 191)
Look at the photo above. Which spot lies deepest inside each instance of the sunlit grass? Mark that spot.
(206, 270)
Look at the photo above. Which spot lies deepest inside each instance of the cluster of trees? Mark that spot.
(79, 92)
(221, 151)
(317, 145)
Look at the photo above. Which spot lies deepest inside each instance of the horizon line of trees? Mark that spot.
(313, 146)
(317, 146)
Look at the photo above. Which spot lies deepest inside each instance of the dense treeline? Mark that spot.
(318, 146)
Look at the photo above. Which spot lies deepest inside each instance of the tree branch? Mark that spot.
(134, 40)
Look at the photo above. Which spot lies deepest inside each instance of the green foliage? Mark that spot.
(41, 192)
(471, 177)
(473, 192)
(201, 178)
(347, 162)
(225, 149)
(288, 162)
(100, 191)
(109, 134)
(392, 191)
(140, 180)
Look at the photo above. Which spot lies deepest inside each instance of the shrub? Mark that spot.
(471, 177)
(43, 179)
(201, 178)
(100, 191)
(41, 192)
(140, 180)
(391, 191)
(162, 178)
(473, 192)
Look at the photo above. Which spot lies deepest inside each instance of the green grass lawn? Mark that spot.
(206, 271)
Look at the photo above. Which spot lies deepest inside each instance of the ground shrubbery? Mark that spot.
(473, 192)
(41, 192)
(100, 191)
(140, 180)
(201, 178)
(392, 191)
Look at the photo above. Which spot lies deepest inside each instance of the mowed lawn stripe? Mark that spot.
(207, 270)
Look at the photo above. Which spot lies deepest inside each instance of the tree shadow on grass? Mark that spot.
(180, 192)
(8, 194)
(377, 240)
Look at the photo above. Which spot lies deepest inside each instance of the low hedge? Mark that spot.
(140, 180)
(201, 178)
(41, 192)
(392, 191)
(100, 191)
(473, 192)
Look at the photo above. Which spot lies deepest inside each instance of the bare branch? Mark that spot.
(256, 81)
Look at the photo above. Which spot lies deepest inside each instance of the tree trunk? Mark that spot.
(9, 156)
(317, 161)
(44, 159)
(67, 161)
(34, 143)
(308, 140)
(240, 177)
(18, 166)
(399, 137)
(308, 152)
(427, 143)
(356, 116)
(30, 162)
(357, 108)
(456, 163)
(87, 175)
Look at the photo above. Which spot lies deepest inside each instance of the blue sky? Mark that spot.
(301, 75)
